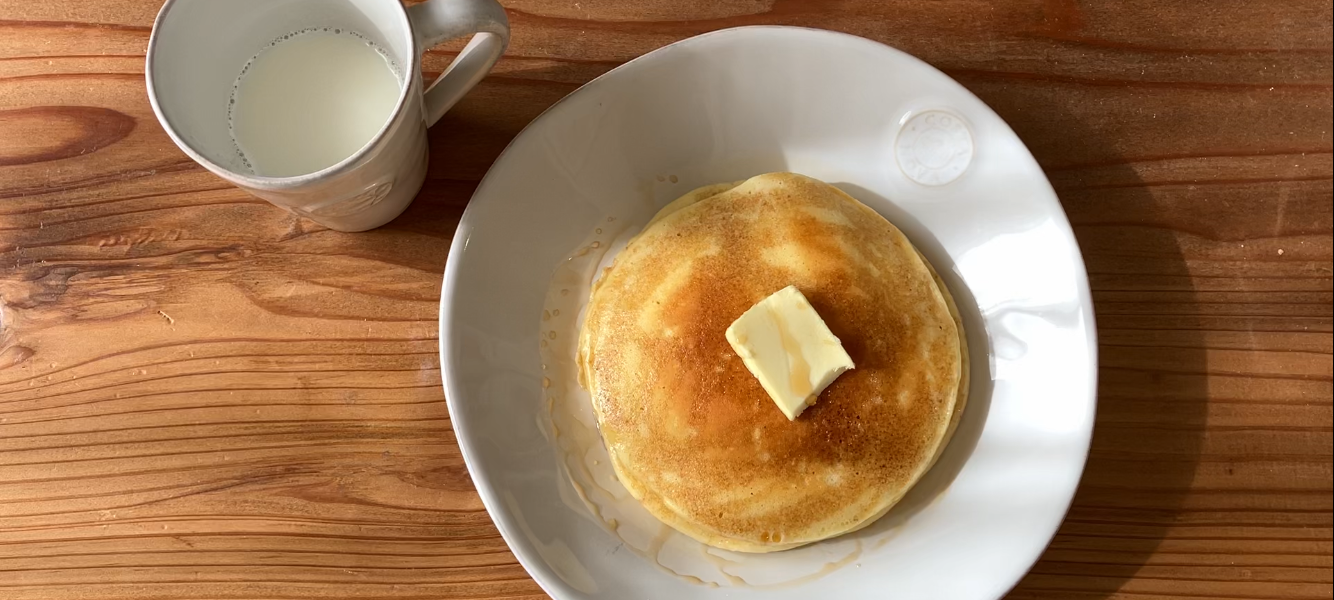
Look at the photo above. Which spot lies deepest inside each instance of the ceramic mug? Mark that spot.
(198, 48)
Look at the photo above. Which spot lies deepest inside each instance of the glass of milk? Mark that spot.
(315, 105)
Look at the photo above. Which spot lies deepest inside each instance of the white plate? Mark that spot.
(896, 134)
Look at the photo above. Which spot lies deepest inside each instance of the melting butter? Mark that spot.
(789, 348)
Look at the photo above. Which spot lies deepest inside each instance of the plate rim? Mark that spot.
(539, 570)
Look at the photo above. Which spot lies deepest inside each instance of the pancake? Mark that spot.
(690, 431)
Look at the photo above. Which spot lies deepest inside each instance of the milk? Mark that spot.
(310, 99)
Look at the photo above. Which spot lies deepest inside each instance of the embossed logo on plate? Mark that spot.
(934, 147)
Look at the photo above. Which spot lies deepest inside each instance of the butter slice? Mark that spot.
(788, 347)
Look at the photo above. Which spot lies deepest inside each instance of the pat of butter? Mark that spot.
(788, 347)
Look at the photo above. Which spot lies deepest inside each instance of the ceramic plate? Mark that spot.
(891, 131)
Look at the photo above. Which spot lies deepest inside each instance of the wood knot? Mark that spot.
(45, 133)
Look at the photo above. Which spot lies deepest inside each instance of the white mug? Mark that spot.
(199, 47)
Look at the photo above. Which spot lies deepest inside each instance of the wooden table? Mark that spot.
(204, 397)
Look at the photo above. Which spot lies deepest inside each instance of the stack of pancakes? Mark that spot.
(691, 432)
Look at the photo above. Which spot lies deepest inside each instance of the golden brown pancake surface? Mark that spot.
(690, 431)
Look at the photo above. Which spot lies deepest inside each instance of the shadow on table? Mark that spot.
(1152, 388)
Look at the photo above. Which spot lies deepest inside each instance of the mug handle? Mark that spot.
(436, 21)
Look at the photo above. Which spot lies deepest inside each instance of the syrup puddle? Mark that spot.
(595, 488)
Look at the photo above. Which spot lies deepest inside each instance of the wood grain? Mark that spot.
(204, 397)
